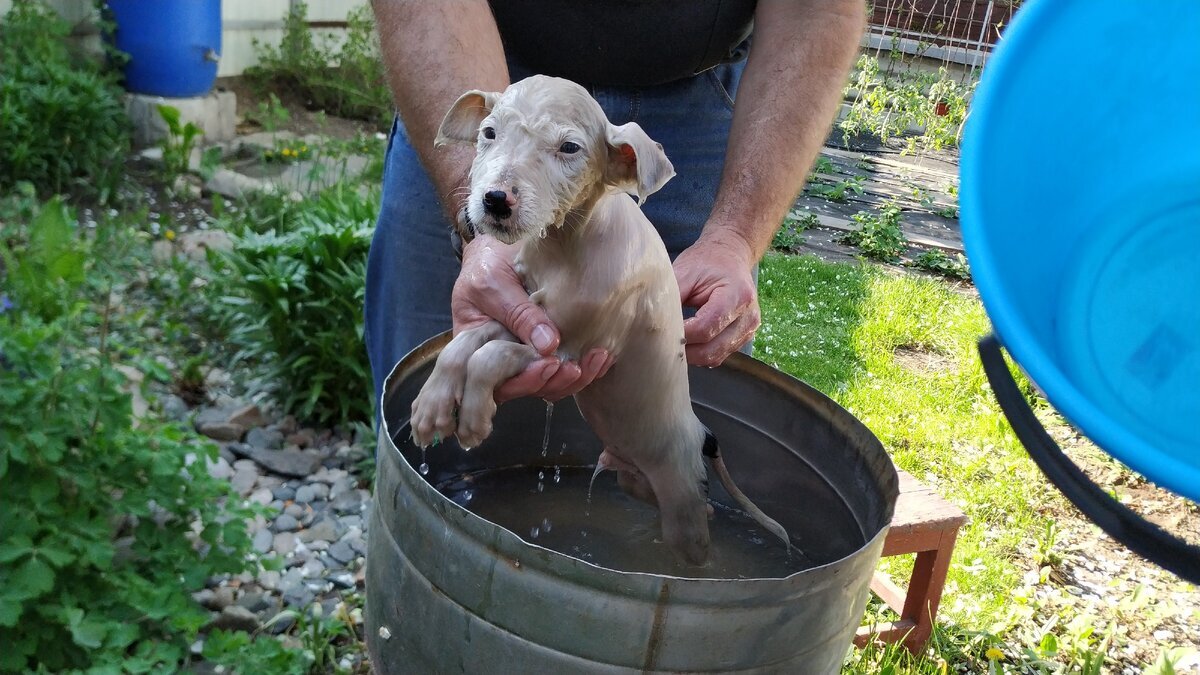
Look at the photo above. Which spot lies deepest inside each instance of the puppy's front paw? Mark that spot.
(432, 418)
(475, 419)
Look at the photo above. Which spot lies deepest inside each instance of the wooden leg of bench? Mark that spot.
(925, 591)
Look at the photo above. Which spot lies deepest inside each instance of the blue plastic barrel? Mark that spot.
(173, 45)
(1081, 220)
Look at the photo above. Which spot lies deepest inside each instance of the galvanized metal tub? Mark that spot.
(448, 591)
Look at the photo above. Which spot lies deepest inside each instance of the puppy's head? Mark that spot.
(543, 148)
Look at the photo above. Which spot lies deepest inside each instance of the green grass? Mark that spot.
(839, 327)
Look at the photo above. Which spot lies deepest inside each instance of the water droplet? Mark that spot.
(468, 494)
(563, 448)
(385, 633)
(541, 486)
(534, 533)
(557, 474)
(516, 563)
(541, 475)
(546, 525)
(546, 436)
(466, 449)
(424, 469)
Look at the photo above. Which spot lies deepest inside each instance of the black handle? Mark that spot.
(1136, 533)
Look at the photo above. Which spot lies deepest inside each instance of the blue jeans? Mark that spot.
(412, 268)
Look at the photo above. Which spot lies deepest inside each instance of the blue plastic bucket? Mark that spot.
(1081, 220)
(173, 45)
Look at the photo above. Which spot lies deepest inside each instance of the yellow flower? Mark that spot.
(170, 235)
(994, 654)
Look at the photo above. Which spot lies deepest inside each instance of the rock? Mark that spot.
(353, 501)
(236, 618)
(269, 579)
(261, 496)
(229, 183)
(285, 543)
(322, 530)
(286, 523)
(284, 492)
(330, 476)
(222, 598)
(161, 251)
(243, 481)
(299, 596)
(254, 601)
(296, 511)
(302, 438)
(312, 492)
(204, 597)
(342, 485)
(343, 580)
(196, 243)
(319, 545)
(287, 425)
(342, 552)
(263, 540)
(291, 461)
(215, 423)
(174, 408)
(220, 469)
(264, 438)
(351, 521)
(312, 568)
(249, 416)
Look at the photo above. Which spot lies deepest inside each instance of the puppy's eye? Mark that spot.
(489, 133)
(569, 148)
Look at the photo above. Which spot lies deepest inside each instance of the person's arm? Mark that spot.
(799, 58)
(433, 52)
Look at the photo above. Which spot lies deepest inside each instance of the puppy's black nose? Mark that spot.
(496, 203)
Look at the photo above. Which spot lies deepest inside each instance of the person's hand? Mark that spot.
(488, 288)
(716, 278)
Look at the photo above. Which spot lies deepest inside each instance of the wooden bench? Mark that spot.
(926, 524)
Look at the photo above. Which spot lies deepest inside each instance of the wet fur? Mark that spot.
(595, 263)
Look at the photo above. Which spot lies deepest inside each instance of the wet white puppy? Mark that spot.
(551, 172)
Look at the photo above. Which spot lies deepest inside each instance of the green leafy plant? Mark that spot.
(178, 143)
(288, 151)
(879, 235)
(836, 192)
(342, 77)
(242, 653)
(64, 126)
(291, 300)
(106, 528)
(271, 114)
(940, 262)
(789, 236)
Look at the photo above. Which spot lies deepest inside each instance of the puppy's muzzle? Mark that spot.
(498, 204)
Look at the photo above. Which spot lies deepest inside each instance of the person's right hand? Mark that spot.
(488, 288)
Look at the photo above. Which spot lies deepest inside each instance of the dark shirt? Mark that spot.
(623, 42)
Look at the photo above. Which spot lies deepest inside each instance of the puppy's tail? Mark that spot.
(712, 452)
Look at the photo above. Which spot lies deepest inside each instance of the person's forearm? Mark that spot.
(789, 92)
(433, 53)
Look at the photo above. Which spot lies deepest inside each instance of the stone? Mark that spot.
(287, 425)
(250, 415)
(269, 579)
(261, 496)
(302, 438)
(254, 601)
(215, 113)
(281, 623)
(351, 522)
(236, 618)
(286, 523)
(197, 243)
(295, 510)
(263, 540)
(312, 568)
(222, 598)
(204, 597)
(319, 545)
(229, 183)
(243, 481)
(322, 530)
(285, 543)
(290, 461)
(353, 501)
(284, 492)
(306, 494)
(220, 468)
(342, 485)
(342, 552)
(214, 423)
(264, 438)
(174, 408)
(343, 580)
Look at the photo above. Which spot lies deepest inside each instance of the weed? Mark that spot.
(836, 192)
(940, 262)
(288, 151)
(788, 237)
(64, 126)
(106, 528)
(343, 79)
(178, 143)
(271, 114)
(879, 235)
(290, 296)
(823, 165)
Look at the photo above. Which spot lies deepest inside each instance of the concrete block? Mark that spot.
(215, 114)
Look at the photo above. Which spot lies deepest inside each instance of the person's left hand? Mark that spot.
(715, 276)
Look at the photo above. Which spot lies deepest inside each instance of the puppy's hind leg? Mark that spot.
(433, 410)
(490, 365)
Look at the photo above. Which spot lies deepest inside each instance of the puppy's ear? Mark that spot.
(636, 164)
(461, 124)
